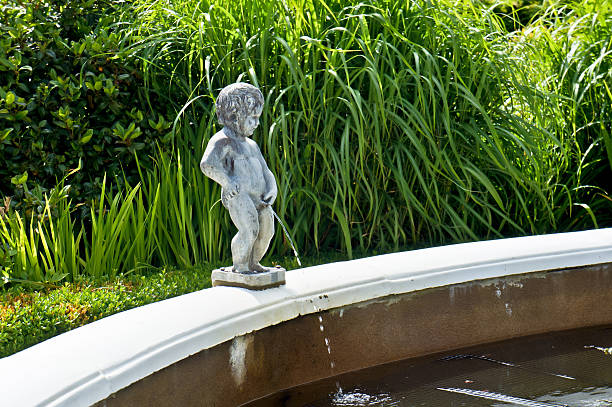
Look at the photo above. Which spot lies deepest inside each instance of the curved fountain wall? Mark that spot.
(226, 346)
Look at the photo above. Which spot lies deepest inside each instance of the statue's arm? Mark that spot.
(212, 163)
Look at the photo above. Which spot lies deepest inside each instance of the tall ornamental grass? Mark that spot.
(574, 46)
(387, 123)
(42, 248)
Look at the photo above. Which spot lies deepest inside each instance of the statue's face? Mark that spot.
(249, 123)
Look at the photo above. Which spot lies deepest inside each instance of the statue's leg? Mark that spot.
(266, 232)
(244, 215)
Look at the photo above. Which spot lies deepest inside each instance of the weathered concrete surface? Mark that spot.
(379, 331)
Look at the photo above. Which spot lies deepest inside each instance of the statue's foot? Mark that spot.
(243, 270)
(258, 268)
(253, 269)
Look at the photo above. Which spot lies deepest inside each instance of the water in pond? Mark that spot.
(561, 369)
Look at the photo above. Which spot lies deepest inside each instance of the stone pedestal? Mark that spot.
(256, 281)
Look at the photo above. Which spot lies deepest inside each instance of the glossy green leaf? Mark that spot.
(10, 98)
(86, 137)
(20, 179)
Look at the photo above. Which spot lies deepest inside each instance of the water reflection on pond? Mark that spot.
(552, 370)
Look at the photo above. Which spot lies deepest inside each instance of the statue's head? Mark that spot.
(239, 106)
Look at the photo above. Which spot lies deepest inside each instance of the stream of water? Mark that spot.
(295, 253)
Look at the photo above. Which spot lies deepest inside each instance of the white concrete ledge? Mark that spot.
(90, 363)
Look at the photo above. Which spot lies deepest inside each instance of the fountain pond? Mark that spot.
(569, 368)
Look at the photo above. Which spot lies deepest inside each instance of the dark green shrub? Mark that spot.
(67, 92)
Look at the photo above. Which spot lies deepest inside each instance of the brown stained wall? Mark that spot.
(376, 332)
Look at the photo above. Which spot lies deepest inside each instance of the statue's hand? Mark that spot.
(269, 198)
(231, 191)
(261, 205)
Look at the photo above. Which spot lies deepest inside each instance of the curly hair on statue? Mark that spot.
(237, 100)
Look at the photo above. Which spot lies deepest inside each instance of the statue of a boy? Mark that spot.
(248, 187)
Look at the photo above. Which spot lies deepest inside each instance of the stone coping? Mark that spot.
(90, 363)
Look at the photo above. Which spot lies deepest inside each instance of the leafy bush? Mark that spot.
(68, 93)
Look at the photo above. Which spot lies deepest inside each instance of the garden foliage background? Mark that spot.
(389, 124)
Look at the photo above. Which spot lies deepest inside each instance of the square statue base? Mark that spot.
(258, 281)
